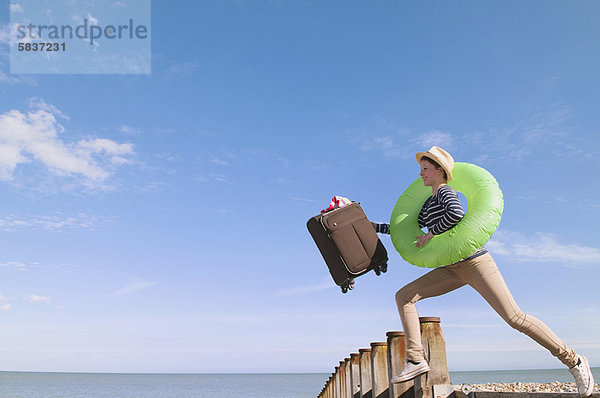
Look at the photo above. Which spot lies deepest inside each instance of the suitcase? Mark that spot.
(348, 243)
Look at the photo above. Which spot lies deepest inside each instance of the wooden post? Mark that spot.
(435, 383)
(327, 390)
(396, 343)
(332, 387)
(332, 392)
(337, 385)
(342, 379)
(365, 372)
(379, 370)
(347, 362)
(354, 376)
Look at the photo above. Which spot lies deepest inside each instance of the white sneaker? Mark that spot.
(583, 376)
(410, 371)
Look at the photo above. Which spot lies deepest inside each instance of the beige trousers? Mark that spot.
(483, 275)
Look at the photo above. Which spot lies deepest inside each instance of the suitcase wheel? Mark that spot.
(380, 268)
(349, 285)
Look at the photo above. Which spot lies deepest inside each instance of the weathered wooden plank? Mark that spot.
(342, 374)
(354, 376)
(366, 379)
(396, 357)
(379, 370)
(348, 377)
(435, 354)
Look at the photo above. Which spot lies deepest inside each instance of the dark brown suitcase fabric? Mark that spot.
(348, 243)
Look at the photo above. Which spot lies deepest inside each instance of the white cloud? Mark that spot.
(39, 299)
(219, 162)
(214, 177)
(545, 129)
(47, 223)
(80, 20)
(15, 7)
(8, 31)
(517, 140)
(5, 34)
(280, 180)
(126, 129)
(12, 264)
(298, 199)
(35, 137)
(266, 155)
(4, 78)
(542, 247)
(3, 305)
(182, 70)
(39, 103)
(171, 157)
(133, 287)
(223, 211)
(115, 152)
(220, 178)
(435, 137)
(92, 20)
(404, 144)
(388, 146)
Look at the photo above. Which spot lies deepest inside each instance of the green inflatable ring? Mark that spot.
(485, 205)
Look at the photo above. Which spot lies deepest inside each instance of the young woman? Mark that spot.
(440, 213)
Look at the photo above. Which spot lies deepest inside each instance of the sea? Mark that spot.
(289, 385)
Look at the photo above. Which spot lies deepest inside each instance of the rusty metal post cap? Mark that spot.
(364, 350)
(354, 355)
(431, 319)
(378, 343)
(395, 334)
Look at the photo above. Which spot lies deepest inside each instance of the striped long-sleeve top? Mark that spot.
(441, 211)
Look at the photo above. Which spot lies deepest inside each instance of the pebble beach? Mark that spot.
(555, 386)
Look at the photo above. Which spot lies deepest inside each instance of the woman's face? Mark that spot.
(431, 175)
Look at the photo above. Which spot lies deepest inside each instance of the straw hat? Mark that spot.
(443, 158)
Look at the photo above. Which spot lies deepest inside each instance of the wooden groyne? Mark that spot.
(368, 373)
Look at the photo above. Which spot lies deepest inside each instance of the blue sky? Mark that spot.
(156, 223)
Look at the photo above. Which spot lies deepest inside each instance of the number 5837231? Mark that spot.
(42, 46)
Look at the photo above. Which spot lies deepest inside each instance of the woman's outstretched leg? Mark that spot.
(483, 275)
